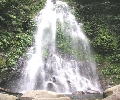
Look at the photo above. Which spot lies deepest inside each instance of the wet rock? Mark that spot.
(92, 92)
(43, 95)
(53, 79)
(26, 98)
(78, 93)
(54, 1)
(86, 97)
(7, 91)
(108, 93)
(4, 90)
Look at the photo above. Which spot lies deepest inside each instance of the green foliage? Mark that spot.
(70, 46)
(63, 40)
(2, 60)
(101, 23)
(111, 69)
(45, 53)
(17, 28)
(105, 43)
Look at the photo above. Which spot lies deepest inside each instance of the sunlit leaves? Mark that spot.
(112, 70)
(17, 27)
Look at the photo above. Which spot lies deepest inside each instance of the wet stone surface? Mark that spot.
(86, 96)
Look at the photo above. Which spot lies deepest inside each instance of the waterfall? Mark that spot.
(60, 59)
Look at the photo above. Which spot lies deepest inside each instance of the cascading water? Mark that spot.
(60, 59)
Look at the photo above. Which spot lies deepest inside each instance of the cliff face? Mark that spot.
(101, 23)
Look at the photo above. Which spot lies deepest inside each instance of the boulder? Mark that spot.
(111, 90)
(92, 92)
(7, 97)
(43, 95)
(78, 93)
(115, 96)
(112, 93)
(4, 90)
(7, 91)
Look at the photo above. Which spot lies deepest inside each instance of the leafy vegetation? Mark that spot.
(16, 29)
(63, 40)
(71, 47)
(101, 20)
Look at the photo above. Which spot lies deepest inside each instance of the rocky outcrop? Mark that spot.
(4, 90)
(92, 92)
(43, 95)
(6, 94)
(7, 97)
(48, 95)
(7, 91)
(87, 92)
(78, 93)
(112, 93)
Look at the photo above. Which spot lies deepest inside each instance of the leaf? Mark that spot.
(12, 16)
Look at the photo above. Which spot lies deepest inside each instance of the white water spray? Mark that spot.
(52, 70)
